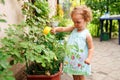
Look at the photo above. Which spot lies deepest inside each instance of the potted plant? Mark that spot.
(26, 43)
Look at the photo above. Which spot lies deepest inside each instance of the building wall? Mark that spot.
(13, 14)
(52, 5)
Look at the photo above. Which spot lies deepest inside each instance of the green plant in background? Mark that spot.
(94, 30)
(27, 43)
(60, 20)
(60, 12)
(66, 8)
(2, 1)
(64, 23)
(99, 7)
(115, 28)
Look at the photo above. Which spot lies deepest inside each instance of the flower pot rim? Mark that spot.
(44, 75)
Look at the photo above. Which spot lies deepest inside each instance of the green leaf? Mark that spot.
(3, 20)
(43, 64)
(4, 65)
(2, 1)
(33, 6)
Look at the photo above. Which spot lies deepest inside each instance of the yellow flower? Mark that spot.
(60, 11)
(47, 30)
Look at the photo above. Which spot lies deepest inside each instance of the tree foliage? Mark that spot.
(102, 5)
(99, 7)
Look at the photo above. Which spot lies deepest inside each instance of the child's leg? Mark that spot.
(78, 77)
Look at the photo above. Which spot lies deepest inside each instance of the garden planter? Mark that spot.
(105, 36)
(55, 76)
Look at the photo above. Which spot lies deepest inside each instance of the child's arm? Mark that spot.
(62, 29)
(90, 49)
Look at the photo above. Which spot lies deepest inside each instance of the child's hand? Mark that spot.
(53, 30)
(87, 61)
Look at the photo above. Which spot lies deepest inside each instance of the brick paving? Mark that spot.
(105, 62)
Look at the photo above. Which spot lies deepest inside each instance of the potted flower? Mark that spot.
(26, 43)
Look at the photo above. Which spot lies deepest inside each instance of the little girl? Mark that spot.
(77, 61)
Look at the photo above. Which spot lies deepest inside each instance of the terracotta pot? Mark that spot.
(55, 76)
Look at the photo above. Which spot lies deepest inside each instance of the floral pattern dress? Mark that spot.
(76, 53)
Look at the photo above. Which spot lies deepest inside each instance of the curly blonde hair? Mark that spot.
(83, 10)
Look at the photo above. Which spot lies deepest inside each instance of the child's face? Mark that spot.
(79, 21)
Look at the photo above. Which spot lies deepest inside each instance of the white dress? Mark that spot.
(76, 53)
